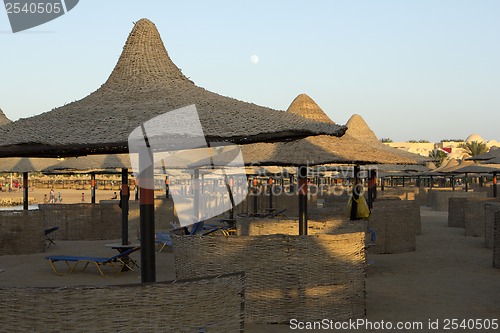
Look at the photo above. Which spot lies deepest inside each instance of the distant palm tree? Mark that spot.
(438, 156)
(474, 148)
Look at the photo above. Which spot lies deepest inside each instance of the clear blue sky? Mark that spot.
(414, 69)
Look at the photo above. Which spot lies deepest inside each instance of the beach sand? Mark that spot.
(36, 195)
(448, 276)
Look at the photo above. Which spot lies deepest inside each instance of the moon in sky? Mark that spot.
(254, 59)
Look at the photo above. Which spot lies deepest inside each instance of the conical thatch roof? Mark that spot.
(320, 149)
(25, 164)
(479, 168)
(304, 106)
(359, 129)
(492, 154)
(92, 163)
(145, 83)
(3, 119)
(495, 160)
(453, 166)
(450, 165)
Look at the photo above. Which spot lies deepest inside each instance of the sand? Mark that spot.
(36, 195)
(448, 276)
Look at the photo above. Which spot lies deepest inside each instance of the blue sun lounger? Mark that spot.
(121, 260)
(164, 239)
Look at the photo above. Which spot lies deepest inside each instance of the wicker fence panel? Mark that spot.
(303, 277)
(438, 198)
(396, 223)
(21, 232)
(490, 209)
(202, 305)
(263, 226)
(456, 213)
(496, 241)
(280, 201)
(474, 216)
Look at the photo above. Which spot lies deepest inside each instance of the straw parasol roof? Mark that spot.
(145, 83)
(454, 165)
(359, 129)
(495, 160)
(25, 164)
(3, 119)
(451, 163)
(91, 163)
(479, 168)
(305, 106)
(492, 154)
(320, 149)
(400, 168)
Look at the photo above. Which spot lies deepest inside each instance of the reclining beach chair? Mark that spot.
(121, 260)
(164, 239)
(48, 238)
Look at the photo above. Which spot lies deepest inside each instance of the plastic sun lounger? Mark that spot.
(164, 239)
(98, 261)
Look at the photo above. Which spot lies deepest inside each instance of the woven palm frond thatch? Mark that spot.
(359, 129)
(449, 165)
(492, 154)
(479, 168)
(25, 164)
(320, 149)
(145, 83)
(91, 163)
(455, 165)
(305, 106)
(3, 119)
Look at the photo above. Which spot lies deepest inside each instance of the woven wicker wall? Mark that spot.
(282, 201)
(496, 241)
(205, 305)
(403, 193)
(101, 221)
(490, 208)
(164, 214)
(396, 223)
(474, 216)
(456, 213)
(302, 277)
(422, 197)
(258, 227)
(21, 232)
(83, 221)
(438, 198)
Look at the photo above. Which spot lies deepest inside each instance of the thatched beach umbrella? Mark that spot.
(451, 169)
(144, 84)
(491, 157)
(359, 129)
(91, 163)
(316, 150)
(494, 153)
(25, 165)
(3, 119)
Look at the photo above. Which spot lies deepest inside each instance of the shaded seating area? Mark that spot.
(121, 261)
